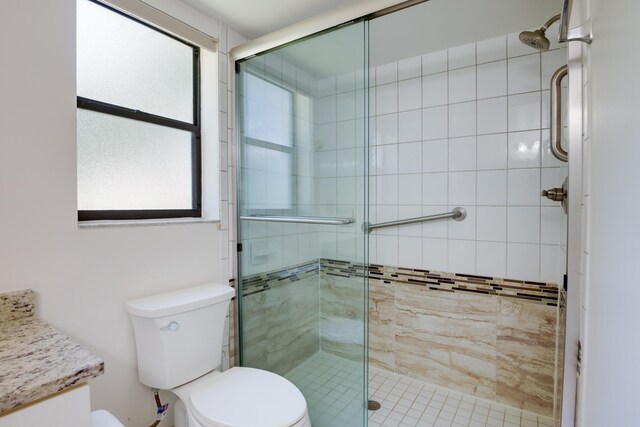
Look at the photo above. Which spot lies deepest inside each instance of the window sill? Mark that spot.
(145, 222)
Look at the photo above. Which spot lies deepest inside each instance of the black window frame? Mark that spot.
(128, 113)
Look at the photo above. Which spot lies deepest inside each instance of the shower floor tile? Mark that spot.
(408, 402)
(332, 386)
(333, 389)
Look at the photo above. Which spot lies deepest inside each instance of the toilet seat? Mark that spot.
(245, 397)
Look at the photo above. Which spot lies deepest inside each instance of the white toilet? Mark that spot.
(102, 418)
(179, 344)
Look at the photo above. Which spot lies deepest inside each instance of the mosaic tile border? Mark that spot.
(264, 281)
(535, 292)
(16, 305)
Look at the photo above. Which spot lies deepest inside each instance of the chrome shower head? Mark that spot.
(536, 39)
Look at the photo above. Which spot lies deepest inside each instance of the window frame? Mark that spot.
(261, 74)
(196, 139)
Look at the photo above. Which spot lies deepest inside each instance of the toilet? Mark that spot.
(102, 418)
(179, 338)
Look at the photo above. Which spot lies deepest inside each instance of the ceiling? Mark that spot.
(255, 18)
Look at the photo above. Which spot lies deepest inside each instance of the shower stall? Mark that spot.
(396, 259)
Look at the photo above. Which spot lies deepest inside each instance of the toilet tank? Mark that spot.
(179, 334)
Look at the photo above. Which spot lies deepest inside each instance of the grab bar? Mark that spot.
(299, 219)
(556, 114)
(457, 214)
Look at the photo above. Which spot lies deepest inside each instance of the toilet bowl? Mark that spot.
(102, 418)
(240, 397)
(179, 339)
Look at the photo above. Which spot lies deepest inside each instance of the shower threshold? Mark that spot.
(332, 387)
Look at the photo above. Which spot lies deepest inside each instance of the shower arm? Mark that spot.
(551, 21)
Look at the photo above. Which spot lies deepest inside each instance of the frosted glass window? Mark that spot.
(127, 164)
(270, 172)
(268, 144)
(268, 111)
(124, 62)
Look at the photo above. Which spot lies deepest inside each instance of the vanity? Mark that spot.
(43, 374)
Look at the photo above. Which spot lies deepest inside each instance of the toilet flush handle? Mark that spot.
(173, 326)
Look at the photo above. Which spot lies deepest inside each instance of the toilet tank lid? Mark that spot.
(179, 301)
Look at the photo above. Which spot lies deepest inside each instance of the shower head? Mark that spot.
(537, 39)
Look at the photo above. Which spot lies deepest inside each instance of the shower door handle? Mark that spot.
(556, 114)
(299, 219)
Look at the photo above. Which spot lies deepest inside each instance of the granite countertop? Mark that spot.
(36, 360)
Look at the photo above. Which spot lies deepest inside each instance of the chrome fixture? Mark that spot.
(558, 195)
(299, 219)
(556, 114)
(536, 39)
(457, 214)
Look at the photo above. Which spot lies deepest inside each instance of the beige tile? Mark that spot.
(447, 339)
(293, 321)
(255, 329)
(342, 316)
(526, 355)
(382, 320)
(560, 342)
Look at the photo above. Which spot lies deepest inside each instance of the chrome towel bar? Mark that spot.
(457, 214)
(299, 219)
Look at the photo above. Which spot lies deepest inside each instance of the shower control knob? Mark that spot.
(555, 194)
(558, 195)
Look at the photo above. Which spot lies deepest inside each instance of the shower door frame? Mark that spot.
(574, 329)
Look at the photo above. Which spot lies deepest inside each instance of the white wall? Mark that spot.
(611, 374)
(82, 277)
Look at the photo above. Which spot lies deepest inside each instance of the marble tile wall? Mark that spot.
(342, 314)
(495, 347)
(526, 351)
(493, 338)
(560, 355)
(281, 324)
(446, 339)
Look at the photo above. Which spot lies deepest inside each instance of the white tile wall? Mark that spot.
(467, 127)
(464, 127)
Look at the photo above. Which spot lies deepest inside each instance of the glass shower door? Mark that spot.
(301, 203)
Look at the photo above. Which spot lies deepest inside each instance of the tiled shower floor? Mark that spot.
(330, 385)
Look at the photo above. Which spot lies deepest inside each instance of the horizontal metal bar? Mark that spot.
(299, 219)
(457, 214)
